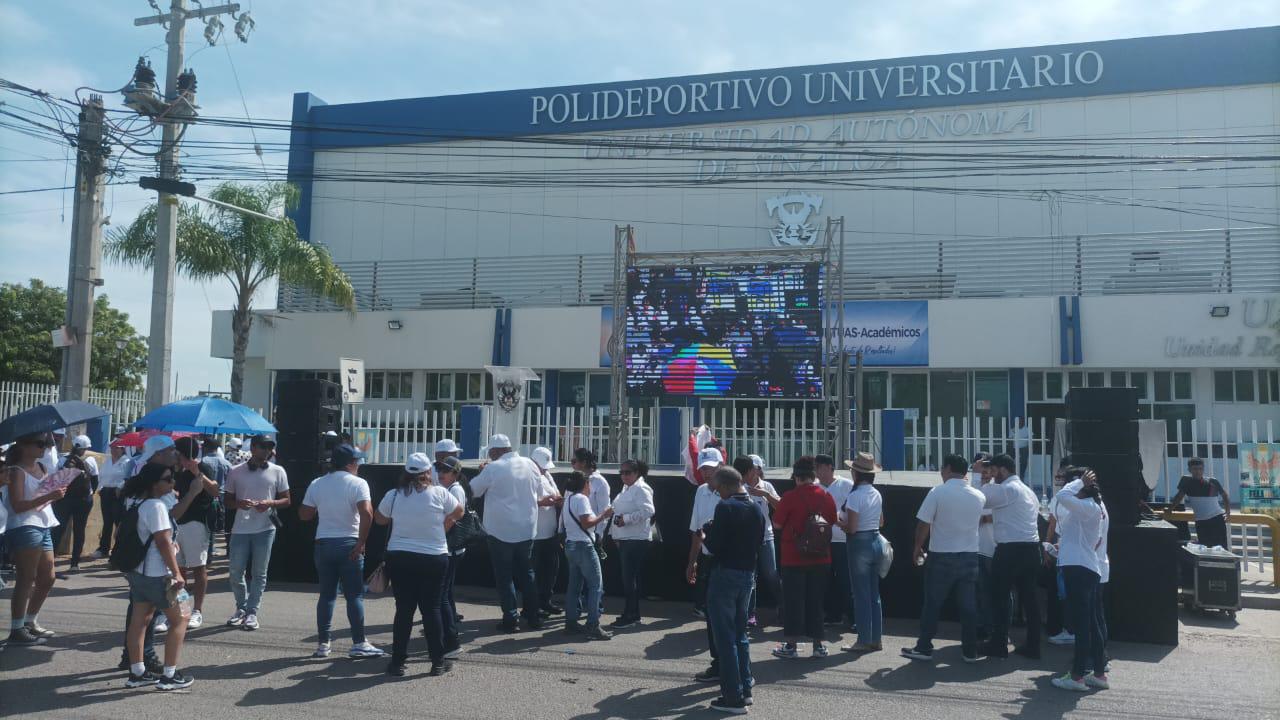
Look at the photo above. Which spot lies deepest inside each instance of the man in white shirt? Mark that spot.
(511, 486)
(948, 520)
(255, 489)
(341, 501)
(546, 544)
(979, 475)
(701, 562)
(839, 601)
(1016, 563)
(110, 480)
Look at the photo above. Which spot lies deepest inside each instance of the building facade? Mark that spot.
(1096, 214)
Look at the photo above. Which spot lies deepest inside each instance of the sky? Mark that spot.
(383, 49)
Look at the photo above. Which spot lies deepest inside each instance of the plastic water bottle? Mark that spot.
(185, 602)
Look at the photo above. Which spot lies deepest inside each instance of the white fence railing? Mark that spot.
(778, 434)
(394, 434)
(125, 405)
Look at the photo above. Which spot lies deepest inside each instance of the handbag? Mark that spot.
(595, 541)
(378, 581)
(886, 556)
(467, 531)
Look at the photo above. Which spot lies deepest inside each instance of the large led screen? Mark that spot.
(733, 331)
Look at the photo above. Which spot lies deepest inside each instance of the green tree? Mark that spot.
(27, 315)
(247, 251)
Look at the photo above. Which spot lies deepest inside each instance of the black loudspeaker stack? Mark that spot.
(1103, 431)
(305, 411)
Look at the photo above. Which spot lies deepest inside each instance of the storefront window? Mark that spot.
(991, 394)
(1053, 386)
(1244, 386)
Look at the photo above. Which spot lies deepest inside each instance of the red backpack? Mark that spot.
(814, 539)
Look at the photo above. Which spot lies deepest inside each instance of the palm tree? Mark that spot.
(248, 251)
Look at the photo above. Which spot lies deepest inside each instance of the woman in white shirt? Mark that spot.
(584, 563)
(420, 514)
(861, 516)
(632, 530)
(546, 546)
(449, 473)
(110, 481)
(157, 581)
(1081, 529)
(28, 536)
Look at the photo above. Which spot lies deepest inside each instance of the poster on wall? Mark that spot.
(1260, 478)
(890, 333)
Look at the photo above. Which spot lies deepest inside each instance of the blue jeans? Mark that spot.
(728, 594)
(584, 569)
(944, 572)
(632, 553)
(767, 575)
(512, 573)
(252, 552)
(334, 565)
(839, 601)
(865, 551)
(1083, 608)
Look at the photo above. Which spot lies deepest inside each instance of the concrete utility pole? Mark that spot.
(160, 346)
(86, 250)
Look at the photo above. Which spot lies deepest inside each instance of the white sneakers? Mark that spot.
(238, 619)
(364, 650)
(162, 624)
(322, 651)
(1063, 638)
(196, 620)
(1066, 682)
(250, 622)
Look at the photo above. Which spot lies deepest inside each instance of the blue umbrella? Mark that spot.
(45, 418)
(211, 415)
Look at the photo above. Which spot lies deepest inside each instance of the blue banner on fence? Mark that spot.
(890, 333)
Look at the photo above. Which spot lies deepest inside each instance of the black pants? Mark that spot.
(839, 593)
(546, 567)
(1016, 565)
(700, 587)
(632, 554)
(1055, 620)
(804, 591)
(73, 512)
(449, 606)
(112, 510)
(417, 582)
(1210, 533)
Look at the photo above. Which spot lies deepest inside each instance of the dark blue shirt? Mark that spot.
(735, 533)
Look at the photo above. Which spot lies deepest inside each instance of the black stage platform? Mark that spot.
(1142, 598)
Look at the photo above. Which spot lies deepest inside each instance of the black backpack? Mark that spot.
(129, 551)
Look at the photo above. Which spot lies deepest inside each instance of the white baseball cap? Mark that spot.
(153, 445)
(710, 457)
(542, 456)
(758, 462)
(233, 443)
(81, 441)
(417, 464)
(499, 442)
(330, 433)
(448, 446)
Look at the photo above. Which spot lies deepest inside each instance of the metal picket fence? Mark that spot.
(125, 405)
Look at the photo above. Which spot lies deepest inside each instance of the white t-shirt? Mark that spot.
(704, 509)
(599, 493)
(153, 517)
(246, 484)
(40, 517)
(952, 510)
(548, 520)
(866, 501)
(510, 486)
(1016, 510)
(764, 507)
(335, 497)
(113, 472)
(417, 519)
(1080, 530)
(839, 490)
(580, 507)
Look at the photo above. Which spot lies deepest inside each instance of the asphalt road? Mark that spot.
(1220, 670)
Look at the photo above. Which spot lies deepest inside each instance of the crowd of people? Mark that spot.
(816, 550)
